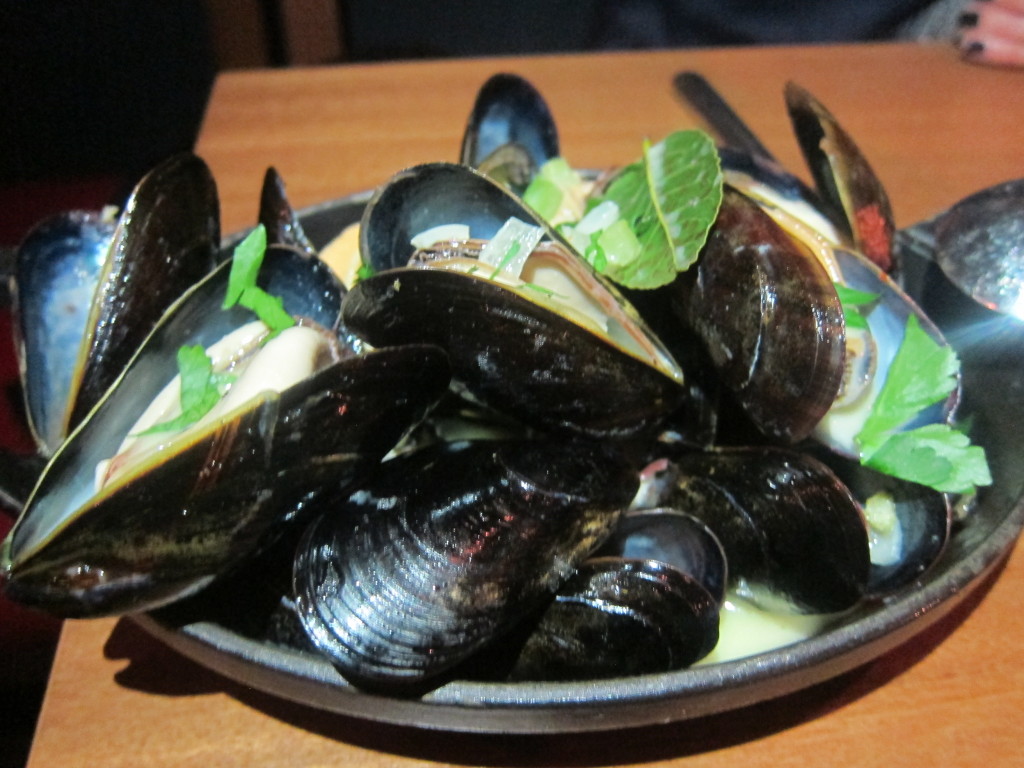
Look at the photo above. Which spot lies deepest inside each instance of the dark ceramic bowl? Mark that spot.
(249, 642)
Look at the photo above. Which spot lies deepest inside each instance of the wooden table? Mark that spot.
(933, 127)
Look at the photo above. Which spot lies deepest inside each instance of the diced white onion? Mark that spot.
(514, 236)
(440, 233)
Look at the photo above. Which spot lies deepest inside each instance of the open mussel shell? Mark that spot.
(870, 356)
(673, 537)
(513, 355)
(57, 269)
(214, 496)
(446, 550)
(509, 345)
(775, 189)
(647, 601)
(510, 132)
(769, 317)
(787, 523)
(910, 532)
(426, 196)
(166, 239)
(843, 176)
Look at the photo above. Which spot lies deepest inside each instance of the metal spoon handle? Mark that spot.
(729, 126)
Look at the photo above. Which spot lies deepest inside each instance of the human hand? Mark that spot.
(992, 32)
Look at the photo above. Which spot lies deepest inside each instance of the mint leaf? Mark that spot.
(670, 199)
(686, 181)
(201, 389)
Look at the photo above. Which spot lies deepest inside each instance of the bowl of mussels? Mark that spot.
(504, 445)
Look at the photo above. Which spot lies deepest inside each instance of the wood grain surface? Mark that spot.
(934, 129)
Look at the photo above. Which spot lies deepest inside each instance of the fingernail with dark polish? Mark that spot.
(974, 49)
(968, 19)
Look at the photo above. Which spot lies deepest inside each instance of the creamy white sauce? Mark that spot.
(885, 535)
(745, 629)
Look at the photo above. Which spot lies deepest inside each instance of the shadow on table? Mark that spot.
(157, 669)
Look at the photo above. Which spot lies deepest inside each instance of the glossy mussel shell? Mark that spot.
(514, 354)
(786, 521)
(922, 518)
(648, 601)
(58, 267)
(510, 132)
(769, 317)
(843, 176)
(215, 497)
(165, 240)
(447, 550)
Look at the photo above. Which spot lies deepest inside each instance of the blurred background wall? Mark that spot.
(103, 86)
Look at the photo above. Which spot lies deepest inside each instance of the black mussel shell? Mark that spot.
(87, 298)
(512, 354)
(617, 617)
(277, 215)
(921, 524)
(675, 538)
(510, 132)
(425, 196)
(786, 522)
(769, 317)
(167, 239)
(220, 499)
(843, 176)
(446, 550)
(57, 269)
(209, 500)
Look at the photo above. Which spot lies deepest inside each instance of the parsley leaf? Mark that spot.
(935, 455)
(921, 374)
(242, 288)
(852, 300)
(201, 389)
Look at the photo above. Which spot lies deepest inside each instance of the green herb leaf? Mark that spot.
(922, 373)
(242, 287)
(201, 389)
(852, 300)
(549, 189)
(245, 265)
(669, 199)
(853, 297)
(935, 455)
(364, 271)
